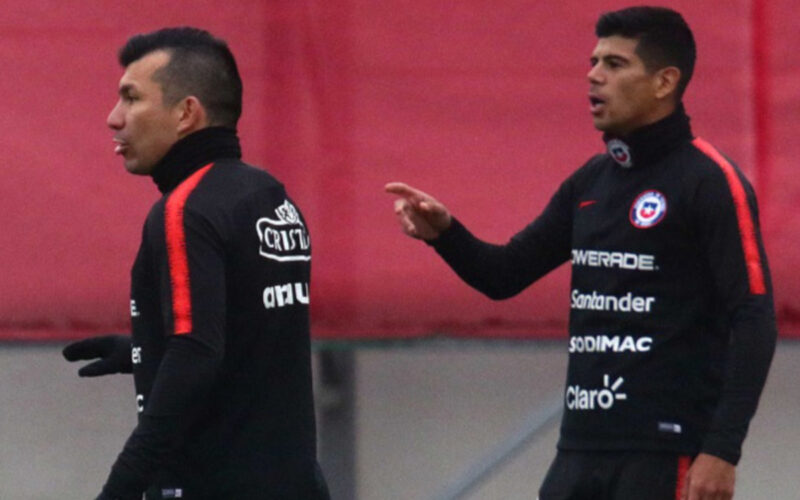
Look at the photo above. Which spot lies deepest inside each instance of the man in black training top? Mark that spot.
(671, 324)
(220, 348)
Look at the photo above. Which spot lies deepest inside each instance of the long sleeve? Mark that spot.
(193, 305)
(729, 232)
(502, 271)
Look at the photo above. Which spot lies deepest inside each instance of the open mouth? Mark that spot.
(120, 147)
(596, 103)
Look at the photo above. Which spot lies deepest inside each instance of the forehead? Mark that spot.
(139, 73)
(616, 46)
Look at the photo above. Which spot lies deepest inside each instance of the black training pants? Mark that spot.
(615, 475)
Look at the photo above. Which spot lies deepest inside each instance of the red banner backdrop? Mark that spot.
(481, 104)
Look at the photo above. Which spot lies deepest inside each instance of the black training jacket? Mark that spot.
(672, 326)
(220, 335)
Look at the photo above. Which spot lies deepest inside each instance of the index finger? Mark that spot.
(83, 349)
(403, 189)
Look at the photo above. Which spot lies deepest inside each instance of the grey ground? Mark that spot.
(424, 415)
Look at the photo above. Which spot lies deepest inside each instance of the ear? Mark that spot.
(192, 116)
(666, 81)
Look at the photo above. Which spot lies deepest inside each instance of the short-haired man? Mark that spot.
(220, 348)
(671, 325)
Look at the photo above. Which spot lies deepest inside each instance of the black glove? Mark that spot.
(114, 352)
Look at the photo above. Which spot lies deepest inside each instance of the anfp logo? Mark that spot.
(648, 209)
(620, 152)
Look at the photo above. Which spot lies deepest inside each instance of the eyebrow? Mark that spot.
(610, 57)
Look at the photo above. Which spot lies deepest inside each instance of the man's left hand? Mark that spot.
(709, 478)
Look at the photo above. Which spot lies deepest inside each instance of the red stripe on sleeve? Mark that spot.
(683, 469)
(176, 252)
(755, 271)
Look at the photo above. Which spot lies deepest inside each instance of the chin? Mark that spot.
(608, 128)
(602, 127)
(130, 167)
(136, 169)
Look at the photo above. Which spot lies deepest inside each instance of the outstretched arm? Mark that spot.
(498, 271)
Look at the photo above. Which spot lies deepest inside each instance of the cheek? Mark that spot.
(136, 122)
(641, 89)
(147, 127)
(630, 97)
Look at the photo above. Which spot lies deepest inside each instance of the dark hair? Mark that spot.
(199, 65)
(664, 38)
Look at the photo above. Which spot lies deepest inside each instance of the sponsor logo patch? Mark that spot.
(604, 343)
(136, 355)
(582, 398)
(648, 209)
(285, 295)
(620, 260)
(597, 302)
(285, 237)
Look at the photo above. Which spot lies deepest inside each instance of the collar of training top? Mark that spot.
(194, 152)
(652, 142)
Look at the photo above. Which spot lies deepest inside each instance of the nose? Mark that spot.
(594, 75)
(116, 119)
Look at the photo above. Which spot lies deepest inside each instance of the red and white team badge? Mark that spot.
(620, 152)
(648, 209)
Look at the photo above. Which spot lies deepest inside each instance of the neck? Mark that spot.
(651, 142)
(656, 116)
(192, 152)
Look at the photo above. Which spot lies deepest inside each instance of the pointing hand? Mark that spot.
(421, 216)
